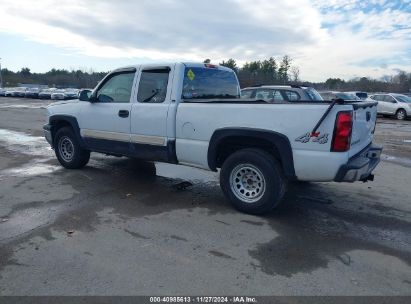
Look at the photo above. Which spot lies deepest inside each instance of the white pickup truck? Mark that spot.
(191, 114)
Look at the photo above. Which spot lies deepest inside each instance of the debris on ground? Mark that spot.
(70, 232)
(182, 186)
(3, 220)
(345, 258)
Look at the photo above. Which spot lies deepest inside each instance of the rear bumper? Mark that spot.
(47, 134)
(360, 167)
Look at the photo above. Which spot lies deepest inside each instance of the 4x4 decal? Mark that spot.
(313, 137)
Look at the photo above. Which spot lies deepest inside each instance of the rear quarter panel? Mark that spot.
(196, 123)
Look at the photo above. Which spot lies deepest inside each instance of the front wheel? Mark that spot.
(68, 150)
(401, 114)
(253, 181)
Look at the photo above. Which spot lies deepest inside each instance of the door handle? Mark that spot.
(123, 113)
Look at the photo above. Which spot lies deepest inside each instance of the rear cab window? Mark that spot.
(209, 82)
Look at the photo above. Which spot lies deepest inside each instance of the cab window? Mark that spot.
(116, 89)
(153, 85)
(246, 94)
(292, 96)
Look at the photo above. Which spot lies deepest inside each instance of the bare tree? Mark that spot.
(295, 73)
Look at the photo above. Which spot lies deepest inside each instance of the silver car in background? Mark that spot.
(281, 93)
(71, 93)
(390, 104)
(58, 95)
(331, 95)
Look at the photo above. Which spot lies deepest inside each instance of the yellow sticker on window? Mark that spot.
(191, 75)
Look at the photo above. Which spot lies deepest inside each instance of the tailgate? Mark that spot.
(364, 120)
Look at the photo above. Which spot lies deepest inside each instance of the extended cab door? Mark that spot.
(149, 113)
(105, 120)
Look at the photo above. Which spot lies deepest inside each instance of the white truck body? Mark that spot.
(202, 132)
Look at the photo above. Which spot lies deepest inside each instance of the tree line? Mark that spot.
(53, 78)
(271, 71)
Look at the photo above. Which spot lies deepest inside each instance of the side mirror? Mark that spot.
(84, 95)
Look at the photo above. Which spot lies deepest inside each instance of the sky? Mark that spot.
(325, 38)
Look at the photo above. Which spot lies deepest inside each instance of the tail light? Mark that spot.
(342, 132)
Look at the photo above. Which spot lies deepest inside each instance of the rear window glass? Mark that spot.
(313, 94)
(208, 83)
(362, 95)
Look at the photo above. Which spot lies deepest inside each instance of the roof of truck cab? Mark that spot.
(164, 64)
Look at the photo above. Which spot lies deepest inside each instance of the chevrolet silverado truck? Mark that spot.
(192, 114)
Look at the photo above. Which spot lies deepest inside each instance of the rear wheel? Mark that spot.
(253, 181)
(68, 150)
(401, 114)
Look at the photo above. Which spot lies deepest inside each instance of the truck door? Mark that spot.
(105, 121)
(149, 114)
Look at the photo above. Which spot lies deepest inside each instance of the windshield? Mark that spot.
(403, 98)
(204, 83)
(313, 94)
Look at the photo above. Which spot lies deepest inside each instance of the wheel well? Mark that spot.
(57, 125)
(232, 144)
(400, 110)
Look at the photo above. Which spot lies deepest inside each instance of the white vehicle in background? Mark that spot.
(19, 92)
(396, 105)
(58, 95)
(280, 93)
(332, 95)
(71, 94)
(191, 114)
(9, 92)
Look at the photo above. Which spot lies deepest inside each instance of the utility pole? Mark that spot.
(1, 78)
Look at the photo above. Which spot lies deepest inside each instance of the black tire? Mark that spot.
(401, 114)
(249, 160)
(70, 158)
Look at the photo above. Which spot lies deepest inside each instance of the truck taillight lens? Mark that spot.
(342, 132)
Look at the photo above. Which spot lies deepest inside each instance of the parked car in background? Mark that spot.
(9, 92)
(19, 92)
(359, 94)
(45, 94)
(397, 105)
(32, 93)
(57, 95)
(331, 95)
(277, 93)
(2, 92)
(71, 94)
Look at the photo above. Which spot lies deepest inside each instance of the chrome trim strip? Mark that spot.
(124, 137)
(105, 135)
(149, 140)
